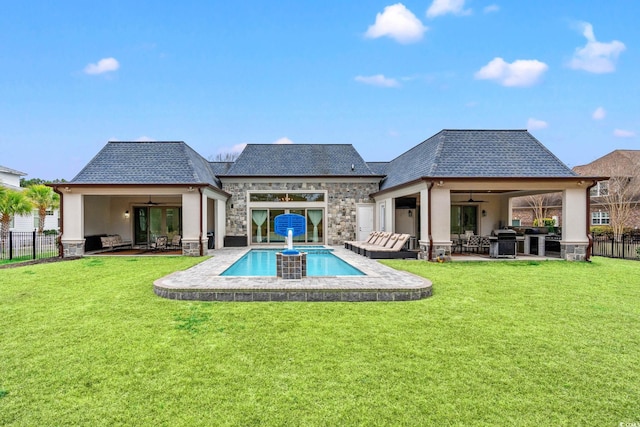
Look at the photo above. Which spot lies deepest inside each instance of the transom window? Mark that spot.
(286, 197)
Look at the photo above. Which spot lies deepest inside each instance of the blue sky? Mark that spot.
(382, 76)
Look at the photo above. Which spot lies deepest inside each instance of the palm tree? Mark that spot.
(12, 203)
(43, 198)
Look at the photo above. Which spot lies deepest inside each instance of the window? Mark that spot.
(600, 189)
(286, 197)
(599, 218)
(515, 223)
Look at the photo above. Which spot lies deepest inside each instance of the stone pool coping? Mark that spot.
(204, 283)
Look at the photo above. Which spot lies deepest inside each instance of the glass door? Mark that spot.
(151, 222)
(463, 219)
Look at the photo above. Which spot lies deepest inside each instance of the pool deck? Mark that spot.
(204, 283)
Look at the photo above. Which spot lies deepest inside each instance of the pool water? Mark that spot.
(262, 262)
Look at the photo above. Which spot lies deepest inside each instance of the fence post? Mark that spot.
(10, 245)
(34, 244)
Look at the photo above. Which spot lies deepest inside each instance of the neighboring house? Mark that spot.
(10, 178)
(457, 180)
(617, 164)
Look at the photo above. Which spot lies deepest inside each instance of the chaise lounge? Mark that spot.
(393, 249)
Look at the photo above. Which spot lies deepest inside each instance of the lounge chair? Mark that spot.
(348, 244)
(379, 241)
(395, 250)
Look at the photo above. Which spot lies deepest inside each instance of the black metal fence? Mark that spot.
(624, 246)
(22, 246)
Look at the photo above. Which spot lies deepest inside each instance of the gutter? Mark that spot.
(431, 184)
(200, 236)
(589, 236)
(61, 213)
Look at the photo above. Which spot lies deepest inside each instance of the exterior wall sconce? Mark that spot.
(440, 183)
(126, 214)
(190, 188)
(484, 213)
(67, 189)
(410, 213)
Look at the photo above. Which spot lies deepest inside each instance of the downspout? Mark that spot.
(431, 184)
(61, 219)
(589, 236)
(200, 237)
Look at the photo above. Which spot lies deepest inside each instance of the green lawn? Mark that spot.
(86, 342)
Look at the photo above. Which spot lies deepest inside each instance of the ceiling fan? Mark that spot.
(474, 201)
(150, 203)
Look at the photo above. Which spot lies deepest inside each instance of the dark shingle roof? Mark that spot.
(147, 163)
(475, 153)
(299, 160)
(379, 168)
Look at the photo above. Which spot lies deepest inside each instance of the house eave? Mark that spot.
(66, 186)
(578, 179)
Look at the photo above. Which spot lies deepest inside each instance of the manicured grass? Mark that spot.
(87, 342)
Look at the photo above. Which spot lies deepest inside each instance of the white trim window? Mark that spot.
(599, 218)
(600, 189)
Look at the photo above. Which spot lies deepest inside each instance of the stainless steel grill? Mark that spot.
(503, 244)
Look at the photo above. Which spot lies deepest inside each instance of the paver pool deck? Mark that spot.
(204, 283)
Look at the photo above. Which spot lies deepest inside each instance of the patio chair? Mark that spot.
(472, 244)
(160, 243)
(485, 244)
(175, 242)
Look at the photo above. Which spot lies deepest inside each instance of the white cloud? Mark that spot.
(522, 72)
(103, 66)
(621, 133)
(442, 7)
(596, 57)
(599, 114)
(534, 124)
(397, 22)
(145, 138)
(283, 140)
(491, 8)
(378, 80)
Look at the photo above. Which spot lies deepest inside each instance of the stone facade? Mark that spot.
(191, 247)
(341, 205)
(72, 249)
(573, 252)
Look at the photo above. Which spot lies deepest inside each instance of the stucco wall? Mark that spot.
(341, 205)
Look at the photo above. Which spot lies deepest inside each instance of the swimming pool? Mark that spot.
(320, 262)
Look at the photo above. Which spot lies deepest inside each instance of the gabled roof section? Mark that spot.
(299, 160)
(476, 153)
(615, 163)
(161, 162)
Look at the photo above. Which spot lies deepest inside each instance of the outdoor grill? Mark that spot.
(502, 244)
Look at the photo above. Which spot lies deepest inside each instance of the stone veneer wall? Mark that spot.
(573, 252)
(72, 249)
(341, 205)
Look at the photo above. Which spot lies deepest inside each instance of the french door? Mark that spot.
(263, 225)
(464, 218)
(153, 221)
